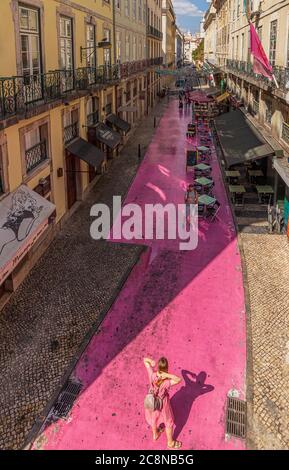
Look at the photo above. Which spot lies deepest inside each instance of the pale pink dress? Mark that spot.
(165, 416)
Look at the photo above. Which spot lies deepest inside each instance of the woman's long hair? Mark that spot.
(163, 366)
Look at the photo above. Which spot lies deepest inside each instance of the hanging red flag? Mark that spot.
(261, 64)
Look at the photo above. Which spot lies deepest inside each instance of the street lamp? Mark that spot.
(104, 44)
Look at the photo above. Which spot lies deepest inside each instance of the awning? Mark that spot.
(107, 136)
(24, 217)
(240, 140)
(222, 97)
(121, 124)
(87, 152)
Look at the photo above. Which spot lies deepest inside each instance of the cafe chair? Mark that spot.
(198, 188)
(201, 209)
(212, 211)
(209, 188)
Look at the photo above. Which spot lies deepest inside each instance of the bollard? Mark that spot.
(139, 152)
(154, 122)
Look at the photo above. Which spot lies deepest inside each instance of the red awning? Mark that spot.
(200, 97)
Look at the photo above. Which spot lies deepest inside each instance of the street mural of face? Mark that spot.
(20, 218)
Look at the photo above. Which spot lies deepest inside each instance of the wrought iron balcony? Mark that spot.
(70, 132)
(35, 155)
(246, 69)
(130, 68)
(20, 93)
(154, 32)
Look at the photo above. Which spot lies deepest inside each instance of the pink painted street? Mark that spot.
(185, 305)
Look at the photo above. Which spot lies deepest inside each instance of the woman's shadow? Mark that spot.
(183, 399)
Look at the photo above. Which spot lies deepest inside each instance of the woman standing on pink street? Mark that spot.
(161, 382)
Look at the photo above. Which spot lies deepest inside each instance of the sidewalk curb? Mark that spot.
(250, 445)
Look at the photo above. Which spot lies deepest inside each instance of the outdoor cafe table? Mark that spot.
(255, 173)
(264, 190)
(202, 167)
(203, 181)
(236, 189)
(232, 174)
(206, 200)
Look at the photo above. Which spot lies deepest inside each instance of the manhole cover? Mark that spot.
(65, 400)
(236, 417)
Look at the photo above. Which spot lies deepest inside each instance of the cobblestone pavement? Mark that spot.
(266, 260)
(53, 311)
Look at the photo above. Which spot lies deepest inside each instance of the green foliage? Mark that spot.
(198, 54)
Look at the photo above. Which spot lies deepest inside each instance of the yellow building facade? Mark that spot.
(169, 35)
(57, 80)
(131, 55)
(154, 50)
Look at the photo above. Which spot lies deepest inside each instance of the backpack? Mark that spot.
(152, 400)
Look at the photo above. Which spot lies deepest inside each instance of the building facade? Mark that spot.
(179, 48)
(154, 53)
(210, 35)
(169, 34)
(131, 55)
(77, 75)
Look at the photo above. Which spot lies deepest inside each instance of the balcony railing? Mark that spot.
(156, 61)
(35, 155)
(130, 68)
(18, 94)
(246, 68)
(70, 132)
(154, 32)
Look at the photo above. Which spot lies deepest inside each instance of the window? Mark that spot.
(106, 51)
(260, 32)
(30, 41)
(127, 48)
(140, 49)
(139, 10)
(126, 7)
(66, 47)
(144, 12)
(117, 4)
(108, 106)
(242, 46)
(134, 48)
(118, 46)
(134, 9)
(287, 58)
(273, 42)
(92, 109)
(91, 46)
(35, 142)
(269, 112)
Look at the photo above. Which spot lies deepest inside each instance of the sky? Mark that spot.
(189, 13)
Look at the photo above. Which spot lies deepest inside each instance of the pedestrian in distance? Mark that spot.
(191, 197)
(158, 411)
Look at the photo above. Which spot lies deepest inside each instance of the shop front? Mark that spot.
(25, 219)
